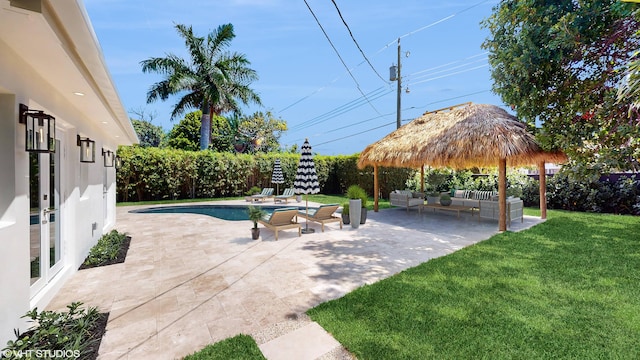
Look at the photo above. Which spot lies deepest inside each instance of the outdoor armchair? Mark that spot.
(281, 219)
(322, 215)
(406, 198)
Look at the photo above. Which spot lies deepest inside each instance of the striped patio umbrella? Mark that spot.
(276, 176)
(306, 181)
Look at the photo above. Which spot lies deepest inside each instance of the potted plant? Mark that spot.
(363, 210)
(433, 197)
(255, 213)
(445, 199)
(355, 194)
(345, 214)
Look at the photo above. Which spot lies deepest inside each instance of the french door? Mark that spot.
(45, 252)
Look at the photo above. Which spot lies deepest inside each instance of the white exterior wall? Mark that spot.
(82, 207)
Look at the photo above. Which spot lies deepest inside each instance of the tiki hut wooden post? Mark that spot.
(376, 188)
(461, 137)
(502, 195)
(542, 179)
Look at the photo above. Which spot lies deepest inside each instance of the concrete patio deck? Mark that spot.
(191, 280)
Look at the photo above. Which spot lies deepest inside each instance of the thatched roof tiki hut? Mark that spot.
(466, 136)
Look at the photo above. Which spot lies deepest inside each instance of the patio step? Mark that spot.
(309, 341)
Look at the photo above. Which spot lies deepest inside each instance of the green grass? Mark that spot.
(240, 347)
(169, 202)
(323, 199)
(568, 288)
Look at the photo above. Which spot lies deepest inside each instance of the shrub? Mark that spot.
(254, 190)
(106, 249)
(566, 191)
(345, 208)
(356, 192)
(75, 333)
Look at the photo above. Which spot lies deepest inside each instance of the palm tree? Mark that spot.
(629, 90)
(213, 80)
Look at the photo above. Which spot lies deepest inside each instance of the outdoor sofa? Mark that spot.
(486, 204)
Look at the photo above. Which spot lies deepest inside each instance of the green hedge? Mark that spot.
(159, 173)
(565, 192)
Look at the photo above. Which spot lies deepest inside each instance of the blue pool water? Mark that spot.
(224, 212)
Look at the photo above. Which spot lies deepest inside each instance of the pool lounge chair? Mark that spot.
(322, 215)
(265, 194)
(286, 195)
(281, 219)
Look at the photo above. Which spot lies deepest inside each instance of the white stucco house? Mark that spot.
(53, 206)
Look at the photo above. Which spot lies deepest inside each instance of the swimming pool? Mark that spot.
(224, 212)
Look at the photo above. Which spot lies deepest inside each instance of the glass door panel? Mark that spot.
(55, 250)
(35, 229)
(45, 251)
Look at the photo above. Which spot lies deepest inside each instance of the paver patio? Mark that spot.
(190, 280)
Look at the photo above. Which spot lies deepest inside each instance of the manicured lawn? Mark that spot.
(568, 288)
(320, 198)
(169, 202)
(239, 347)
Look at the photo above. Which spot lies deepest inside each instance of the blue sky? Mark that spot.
(302, 79)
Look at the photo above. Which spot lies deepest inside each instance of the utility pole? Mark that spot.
(395, 74)
(399, 100)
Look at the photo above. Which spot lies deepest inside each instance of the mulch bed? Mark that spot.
(122, 254)
(94, 333)
(95, 336)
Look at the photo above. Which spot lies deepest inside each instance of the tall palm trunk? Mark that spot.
(205, 127)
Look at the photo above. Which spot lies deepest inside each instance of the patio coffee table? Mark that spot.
(456, 208)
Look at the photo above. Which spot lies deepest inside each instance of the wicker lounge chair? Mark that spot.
(322, 215)
(281, 219)
(286, 195)
(406, 198)
(265, 194)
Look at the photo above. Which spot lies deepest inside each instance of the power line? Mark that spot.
(450, 74)
(387, 124)
(450, 69)
(434, 23)
(356, 134)
(453, 98)
(355, 42)
(352, 105)
(373, 95)
(450, 63)
(379, 51)
(339, 56)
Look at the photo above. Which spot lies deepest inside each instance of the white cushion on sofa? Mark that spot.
(459, 193)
